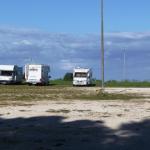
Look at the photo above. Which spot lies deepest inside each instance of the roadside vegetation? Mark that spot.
(68, 78)
(62, 89)
(111, 83)
(127, 83)
(26, 95)
(66, 81)
(60, 82)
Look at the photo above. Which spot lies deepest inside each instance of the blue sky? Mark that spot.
(77, 16)
(66, 34)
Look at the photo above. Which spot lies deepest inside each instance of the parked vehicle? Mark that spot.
(82, 76)
(10, 74)
(37, 74)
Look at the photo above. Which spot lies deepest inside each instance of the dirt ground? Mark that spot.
(78, 124)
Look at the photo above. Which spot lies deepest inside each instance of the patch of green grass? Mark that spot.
(60, 82)
(127, 83)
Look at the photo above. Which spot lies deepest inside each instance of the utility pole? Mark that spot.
(102, 46)
(124, 64)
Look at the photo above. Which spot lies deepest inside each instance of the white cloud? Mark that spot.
(66, 51)
(67, 65)
(22, 42)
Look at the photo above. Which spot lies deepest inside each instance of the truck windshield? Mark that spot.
(6, 73)
(80, 74)
(33, 69)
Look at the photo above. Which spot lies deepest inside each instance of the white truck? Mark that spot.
(37, 74)
(10, 74)
(82, 76)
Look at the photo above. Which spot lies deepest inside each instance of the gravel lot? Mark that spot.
(78, 124)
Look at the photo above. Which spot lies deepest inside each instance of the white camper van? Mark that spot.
(10, 74)
(37, 74)
(82, 76)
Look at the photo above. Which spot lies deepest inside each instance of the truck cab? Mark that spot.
(10, 74)
(82, 76)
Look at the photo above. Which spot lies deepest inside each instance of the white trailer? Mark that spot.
(37, 74)
(82, 76)
(10, 74)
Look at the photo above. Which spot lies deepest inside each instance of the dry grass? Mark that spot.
(23, 94)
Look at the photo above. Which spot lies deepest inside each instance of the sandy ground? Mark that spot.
(110, 116)
(113, 113)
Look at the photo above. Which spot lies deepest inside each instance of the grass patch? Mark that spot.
(105, 96)
(24, 94)
(60, 82)
(127, 83)
(58, 111)
(110, 83)
(81, 110)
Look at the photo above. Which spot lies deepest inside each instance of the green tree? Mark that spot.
(68, 76)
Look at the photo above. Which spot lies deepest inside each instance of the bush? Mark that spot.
(68, 76)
